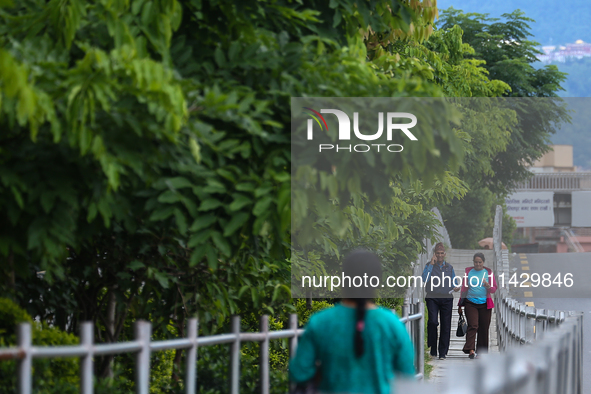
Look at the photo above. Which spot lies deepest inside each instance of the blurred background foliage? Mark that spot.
(145, 160)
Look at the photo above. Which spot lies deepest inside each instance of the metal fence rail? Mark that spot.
(142, 346)
(557, 337)
(563, 181)
(551, 366)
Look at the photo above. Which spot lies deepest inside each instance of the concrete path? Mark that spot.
(460, 259)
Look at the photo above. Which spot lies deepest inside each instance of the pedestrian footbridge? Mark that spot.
(530, 350)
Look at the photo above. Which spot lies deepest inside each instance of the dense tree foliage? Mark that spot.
(504, 48)
(145, 155)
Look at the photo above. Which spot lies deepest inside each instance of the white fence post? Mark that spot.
(235, 356)
(264, 355)
(143, 334)
(191, 358)
(86, 361)
(25, 364)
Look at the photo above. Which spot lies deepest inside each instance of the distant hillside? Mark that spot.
(578, 83)
(577, 133)
(557, 22)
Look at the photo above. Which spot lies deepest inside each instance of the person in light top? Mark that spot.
(476, 298)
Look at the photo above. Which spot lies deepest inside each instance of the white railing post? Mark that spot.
(25, 364)
(235, 356)
(421, 342)
(143, 334)
(191, 358)
(293, 341)
(530, 324)
(86, 361)
(264, 355)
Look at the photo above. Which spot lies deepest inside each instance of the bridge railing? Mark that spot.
(556, 334)
(562, 181)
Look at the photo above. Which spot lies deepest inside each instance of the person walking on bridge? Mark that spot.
(476, 298)
(355, 347)
(438, 278)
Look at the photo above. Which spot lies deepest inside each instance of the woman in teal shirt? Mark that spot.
(476, 298)
(356, 346)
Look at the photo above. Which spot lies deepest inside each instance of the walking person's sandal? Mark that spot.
(473, 355)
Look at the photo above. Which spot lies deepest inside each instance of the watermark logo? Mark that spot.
(344, 133)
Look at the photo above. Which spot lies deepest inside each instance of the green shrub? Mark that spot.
(55, 375)
(304, 313)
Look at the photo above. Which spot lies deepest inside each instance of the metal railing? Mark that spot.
(560, 181)
(143, 347)
(556, 336)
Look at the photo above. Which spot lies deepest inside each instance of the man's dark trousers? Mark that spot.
(442, 306)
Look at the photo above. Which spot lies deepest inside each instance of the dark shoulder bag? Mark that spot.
(462, 326)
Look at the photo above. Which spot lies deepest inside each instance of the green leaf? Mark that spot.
(135, 265)
(261, 191)
(147, 13)
(255, 296)
(219, 57)
(181, 221)
(137, 6)
(240, 200)
(162, 279)
(262, 206)
(169, 197)
(209, 204)
(245, 187)
(162, 213)
(278, 289)
(212, 258)
(234, 50)
(242, 290)
(47, 200)
(203, 222)
(199, 238)
(221, 243)
(236, 222)
(92, 211)
(18, 197)
(197, 254)
(178, 182)
(195, 149)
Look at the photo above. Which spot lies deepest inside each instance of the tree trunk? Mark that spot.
(107, 364)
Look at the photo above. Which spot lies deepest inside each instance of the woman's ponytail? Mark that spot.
(360, 264)
(359, 326)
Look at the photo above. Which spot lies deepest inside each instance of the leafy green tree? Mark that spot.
(144, 169)
(508, 53)
(501, 147)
